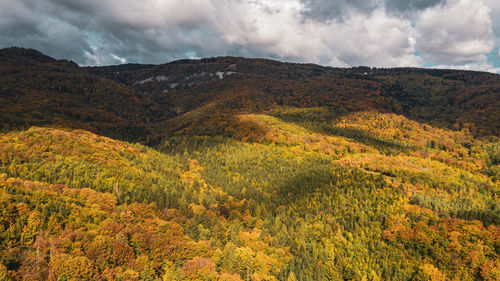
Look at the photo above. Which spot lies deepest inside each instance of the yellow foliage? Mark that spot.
(197, 209)
(430, 273)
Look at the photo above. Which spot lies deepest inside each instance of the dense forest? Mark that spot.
(254, 170)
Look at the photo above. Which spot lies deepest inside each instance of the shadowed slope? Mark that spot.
(38, 90)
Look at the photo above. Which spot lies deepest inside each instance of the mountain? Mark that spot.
(39, 90)
(141, 98)
(246, 169)
(445, 98)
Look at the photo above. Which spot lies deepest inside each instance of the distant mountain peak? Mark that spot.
(26, 56)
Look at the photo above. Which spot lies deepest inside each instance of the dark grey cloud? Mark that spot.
(411, 5)
(21, 24)
(102, 32)
(325, 10)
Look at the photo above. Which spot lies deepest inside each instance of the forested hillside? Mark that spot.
(254, 170)
(39, 90)
(444, 98)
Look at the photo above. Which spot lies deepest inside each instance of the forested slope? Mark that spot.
(257, 182)
(39, 90)
(317, 206)
(445, 98)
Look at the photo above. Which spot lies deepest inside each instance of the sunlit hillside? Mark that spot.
(271, 172)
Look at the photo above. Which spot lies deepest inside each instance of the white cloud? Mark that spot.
(119, 59)
(459, 32)
(376, 39)
(271, 28)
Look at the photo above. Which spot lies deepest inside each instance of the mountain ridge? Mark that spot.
(421, 94)
(445, 98)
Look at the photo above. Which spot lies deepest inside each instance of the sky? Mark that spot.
(462, 34)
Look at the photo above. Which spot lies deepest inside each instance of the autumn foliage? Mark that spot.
(243, 169)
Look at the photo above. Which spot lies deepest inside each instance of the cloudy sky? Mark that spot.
(426, 33)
